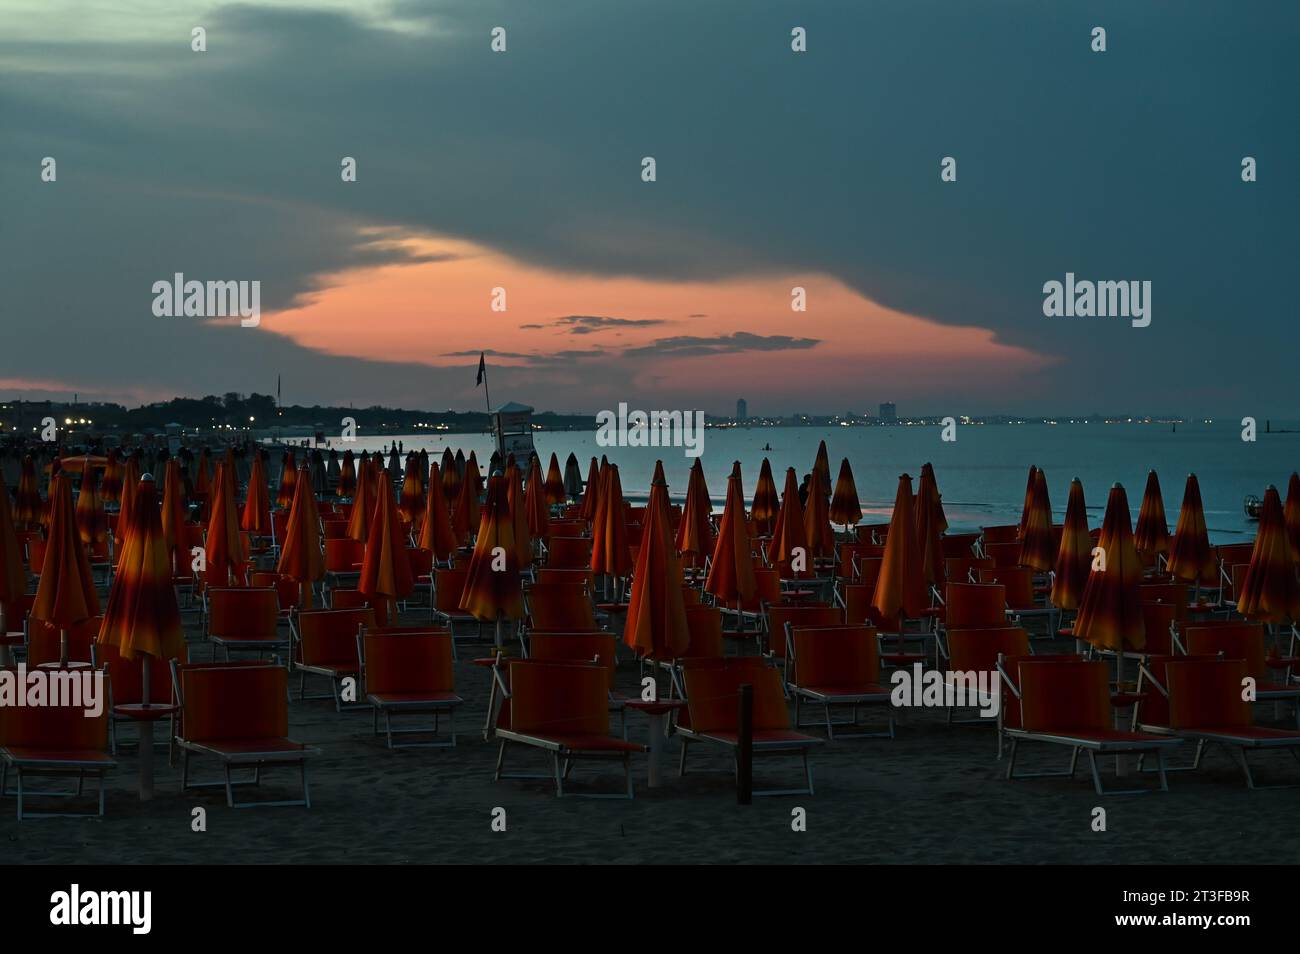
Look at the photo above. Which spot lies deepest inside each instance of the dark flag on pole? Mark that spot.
(482, 369)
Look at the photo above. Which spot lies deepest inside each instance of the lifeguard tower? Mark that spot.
(512, 423)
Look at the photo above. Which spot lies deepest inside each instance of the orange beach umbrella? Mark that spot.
(256, 518)
(110, 488)
(925, 517)
(536, 495)
(822, 467)
(695, 532)
(13, 575)
(766, 505)
(1191, 557)
(288, 473)
(386, 570)
(846, 508)
(656, 613)
(492, 584)
(554, 482)
(66, 593)
(92, 522)
(465, 515)
(1074, 558)
(1037, 548)
(436, 534)
(301, 557)
(900, 588)
(1270, 592)
(609, 550)
(130, 477)
(450, 476)
(1029, 497)
(1110, 613)
(28, 509)
(363, 504)
(517, 500)
(731, 573)
(592, 492)
(816, 517)
(412, 500)
(789, 534)
(1291, 515)
(1151, 535)
(347, 476)
(225, 554)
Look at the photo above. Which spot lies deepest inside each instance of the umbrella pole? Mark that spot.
(146, 735)
(63, 649)
(497, 633)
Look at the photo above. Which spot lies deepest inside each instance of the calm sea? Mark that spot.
(981, 475)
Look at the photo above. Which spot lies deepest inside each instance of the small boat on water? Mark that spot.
(1252, 505)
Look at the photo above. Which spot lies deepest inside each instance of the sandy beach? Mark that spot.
(934, 795)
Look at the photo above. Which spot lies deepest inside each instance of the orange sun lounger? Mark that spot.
(409, 671)
(325, 644)
(837, 666)
(239, 715)
(561, 708)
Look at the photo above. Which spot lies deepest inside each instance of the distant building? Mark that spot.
(742, 410)
(888, 413)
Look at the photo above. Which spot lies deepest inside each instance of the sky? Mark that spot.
(521, 170)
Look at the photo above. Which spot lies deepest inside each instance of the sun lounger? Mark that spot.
(244, 618)
(325, 644)
(837, 666)
(409, 671)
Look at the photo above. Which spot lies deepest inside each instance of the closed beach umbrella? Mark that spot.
(1037, 546)
(394, 465)
(1110, 613)
(1029, 499)
(110, 488)
(319, 478)
(1191, 557)
(130, 477)
(465, 515)
(788, 533)
(928, 488)
(28, 509)
(900, 588)
(13, 575)
(846, 508)
(766, 505)
(363, 504)
(225, 543)
(412, 500)
(332, 467)
(347, 476)
(1151, 535)
(203, 473)
(450, 476)
(460, 463)
(1270, 592)
(609, 550)
(535, 497)
(423, 469)
(174, 513)
(656, 612)
(256, 518)
(822, 467)
(301, 557)
(142, 618)
(92, 522)
(436, 534)
(288, 474)
(925, 517)
(66, 593)
(386, 570)
(1074, 558)
(518, 502)
(695, 533)
(554, 482)
(471, 472)
(572, 478)
(816, 517)
(492, 584)
(592, 492)
(731, 573)
(1291, 515)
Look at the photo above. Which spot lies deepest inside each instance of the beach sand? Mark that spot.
(934, 795)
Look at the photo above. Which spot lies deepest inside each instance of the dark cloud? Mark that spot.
(688, 345)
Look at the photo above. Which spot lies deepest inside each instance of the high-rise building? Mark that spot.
(742, 410)
(888, 413)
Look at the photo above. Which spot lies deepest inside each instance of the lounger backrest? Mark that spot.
(974, 605)
(1207, 694)
(242, 612)
(560, 606)
(558, 698)
(829, 656)
(234, 702)
(713, 694)
(798, 614)
(1064, 696)
(551, 575)
(1003, 533)
(977, 650)
(1011, 672)
(958, 569)
(330, 635)
(343, 554)
(568, 553)
(1236, 640)
(125, 678)
(1174, 593)
(958, 545)
(347, 599)
(399, 660)
(1003, 554)
(43, 641)
(1157, 618)
(1153, 708)
(1018, 582)
(857, 603)
(60, 728)
(448, 584)
(600, 648)
(704, 623)
(767, 588)
(869, 570)
(1233, 553)
(287, 591)
(421, 561)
